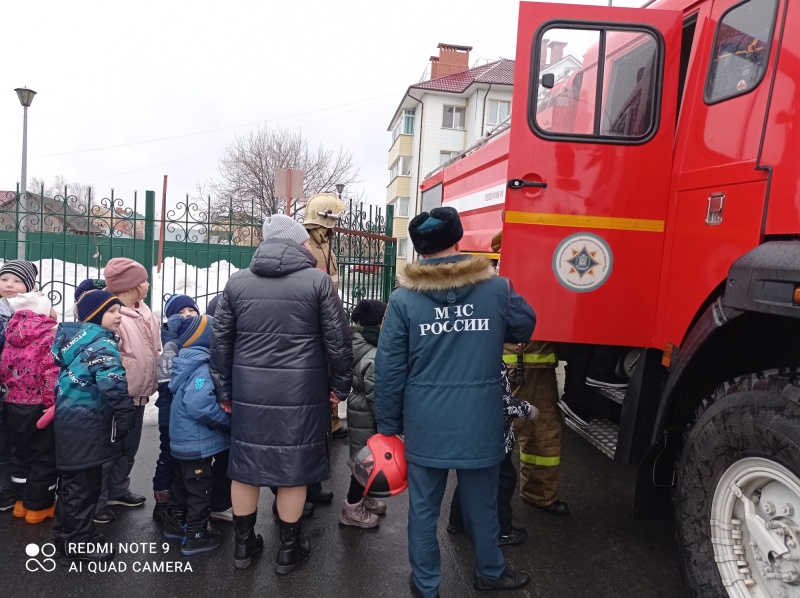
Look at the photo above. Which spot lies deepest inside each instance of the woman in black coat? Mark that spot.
(281, 359)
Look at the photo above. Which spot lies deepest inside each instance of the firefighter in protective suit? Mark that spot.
(323, 212)
(532, 372)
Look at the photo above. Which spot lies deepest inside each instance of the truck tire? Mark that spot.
(737, 497)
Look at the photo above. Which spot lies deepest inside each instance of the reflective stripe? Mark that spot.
(575, 221)
(511, 358)
(19, 480)
(537, 460)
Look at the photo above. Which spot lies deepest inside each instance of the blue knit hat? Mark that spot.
(176, 303)
(195, 332)
(89, 284)
(92, 305)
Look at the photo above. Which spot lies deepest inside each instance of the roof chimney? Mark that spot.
(556, 51)
(452, 59)
(543, 54)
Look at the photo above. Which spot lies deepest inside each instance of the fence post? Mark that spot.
(149, 225)
(389, 256)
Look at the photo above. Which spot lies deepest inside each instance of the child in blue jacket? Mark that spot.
(199, 432)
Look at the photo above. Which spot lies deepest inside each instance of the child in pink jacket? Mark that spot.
(139, 346)
(28, 370)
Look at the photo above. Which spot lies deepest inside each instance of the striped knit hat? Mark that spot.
(89, 284)
(25, 271)
(176, 303)
(195, 332)
(94, 304)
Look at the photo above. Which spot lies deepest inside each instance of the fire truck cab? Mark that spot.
(649, 201)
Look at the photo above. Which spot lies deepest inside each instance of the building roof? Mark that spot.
(499, 72)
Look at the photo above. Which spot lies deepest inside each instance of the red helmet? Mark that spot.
(381, 466)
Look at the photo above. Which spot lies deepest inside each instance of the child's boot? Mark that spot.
(199, 540)
(162, 502)
(247, 543)
(39, 516)
(175, 523)
(293, 551)
(19, 510)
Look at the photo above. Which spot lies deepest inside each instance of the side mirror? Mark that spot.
(548, 80)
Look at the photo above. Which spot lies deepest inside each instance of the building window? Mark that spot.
(741, 49)
(402, 248)
(498, 112)
(453, 117)
(408, 122)
(400, 206)
(396, 130)
(445, 156)
(401, 167)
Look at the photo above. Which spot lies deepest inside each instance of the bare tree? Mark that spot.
(78, 194)
(247, 171)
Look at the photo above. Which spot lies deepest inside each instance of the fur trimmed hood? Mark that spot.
(445, 274)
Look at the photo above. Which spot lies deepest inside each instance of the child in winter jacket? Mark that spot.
(16, 276)
(93, 414)
(509, 533)
(139, 346)
(199, 432)
(184, 306)
(359, 510)
(28, 371)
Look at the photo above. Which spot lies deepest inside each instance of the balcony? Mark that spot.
(402, 146)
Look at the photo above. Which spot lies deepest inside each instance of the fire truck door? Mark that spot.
(719, 192)
(592, 131)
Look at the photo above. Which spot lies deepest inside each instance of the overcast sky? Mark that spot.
(164, 86)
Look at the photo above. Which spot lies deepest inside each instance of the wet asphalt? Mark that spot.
(599, 551)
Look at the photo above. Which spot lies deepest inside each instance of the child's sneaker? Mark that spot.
(357, 515)
(373, 505)
(175, 524)
(7, 500)
(200, 540)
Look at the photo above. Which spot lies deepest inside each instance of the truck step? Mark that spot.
(602, 433)
(613, 394)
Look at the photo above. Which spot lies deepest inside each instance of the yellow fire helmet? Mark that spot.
(324, 209)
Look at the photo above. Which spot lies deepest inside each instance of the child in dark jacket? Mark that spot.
(199, 440)
(509, 533)
(93, 414)
(30, 374)
(186, 307)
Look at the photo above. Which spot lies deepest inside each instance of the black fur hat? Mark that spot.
(369, 312)
(435, 231)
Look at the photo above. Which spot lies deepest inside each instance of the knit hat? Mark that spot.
(279, 226)
(89, 284)
(195, 332)
(94, 304)
(211, 308)
(435, 231)
(35, 301)
(123, 274)
(176, 303)
(368, 312)
(25, 271)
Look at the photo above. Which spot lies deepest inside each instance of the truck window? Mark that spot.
(741, 50)
(687, 38)
(607, 84)
(432, 198)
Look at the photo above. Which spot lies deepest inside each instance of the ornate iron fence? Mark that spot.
(193, 248)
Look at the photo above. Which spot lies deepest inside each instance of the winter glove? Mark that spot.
(46, 418)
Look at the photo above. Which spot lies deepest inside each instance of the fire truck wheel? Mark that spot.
(737, 498)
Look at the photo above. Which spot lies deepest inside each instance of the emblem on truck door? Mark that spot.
(582, 262)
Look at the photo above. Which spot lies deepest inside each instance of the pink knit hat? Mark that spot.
(123, 274)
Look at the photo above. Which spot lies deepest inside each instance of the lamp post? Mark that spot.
(25, 96)
(339, 189)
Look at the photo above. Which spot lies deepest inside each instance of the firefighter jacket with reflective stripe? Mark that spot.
(535, 354)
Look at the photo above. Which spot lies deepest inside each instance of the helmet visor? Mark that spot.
(362, 464)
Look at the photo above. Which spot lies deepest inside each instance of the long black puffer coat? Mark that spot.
(281, 343)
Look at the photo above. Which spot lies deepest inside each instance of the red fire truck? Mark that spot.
(649, 200)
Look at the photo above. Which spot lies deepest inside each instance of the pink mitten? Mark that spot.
(46, 418)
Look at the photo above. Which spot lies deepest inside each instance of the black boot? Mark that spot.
(175, 523)
(247, 542)
(293, 551)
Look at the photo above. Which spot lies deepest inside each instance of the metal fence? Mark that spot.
(193, 248)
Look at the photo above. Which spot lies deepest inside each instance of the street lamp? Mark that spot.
(339, 189)
(25, 96)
